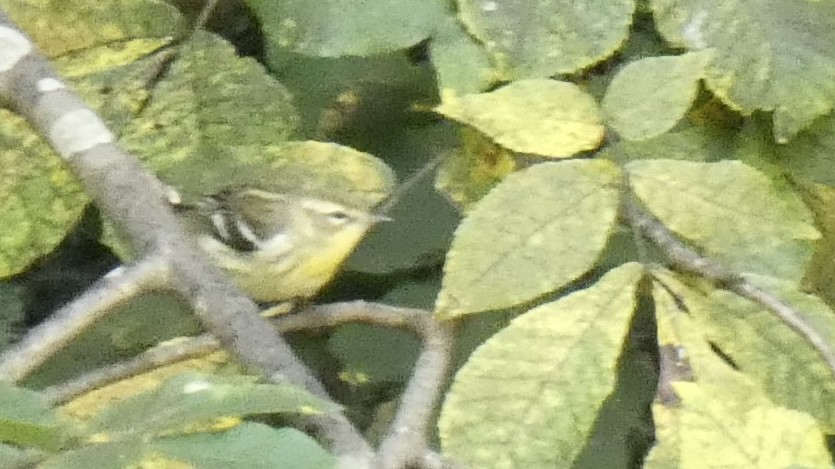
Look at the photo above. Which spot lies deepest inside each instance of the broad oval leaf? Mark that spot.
(545, 117)
(335, 28)
(539, 229)
(771, 55)
(545, 38)
(649, 96)
(529, 396)
(730, 210)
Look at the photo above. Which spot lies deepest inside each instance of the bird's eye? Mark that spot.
(338, 216)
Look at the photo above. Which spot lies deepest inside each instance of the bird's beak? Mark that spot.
(376, 218)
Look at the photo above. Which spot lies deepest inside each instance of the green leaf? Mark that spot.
(468, 174)
(764, 59)
(544, 117)
(89, 24)
(529, 396)
(195, 399)
(41, 199)
(334, 28)
(730, 210)
(251, 445)
(506, 252)
(210, 100)
(811, 155)
(377, 354)
(541, 39)
(715, 401)
(461, 64)
(26, 419)
(649, 96)
(771, 352)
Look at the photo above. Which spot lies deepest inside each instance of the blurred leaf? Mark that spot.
(195, 399)
(730, 210)
(506, 253)
(90, 24)
(11, 313)
(460, 62)
(123, 333)
(811, 154)
(334, 28)
(821, 273)
(377, 353)
(536, 40)
(648, 96)
(469, 173)
(789, 369)
(251, 445)
(528, 397)
(764, 60)
(41, 199)
(545, 117)
(722, 402)
(691, 144)
(26, 419)
(100, 456)
(208, 101)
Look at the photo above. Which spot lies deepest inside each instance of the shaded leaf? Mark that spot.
(772, 353)
(89, 24)
(334, 28)
(41, 200)
(764, 59)
(721, 409)
(251, 445)
(461, 64)
(649, 96)
(544, 117)
(468, 174)
(26, 419)
(539, 229)
(731, 211)
(811, 154)
(541, 39)
(195, 399)
(528, 397)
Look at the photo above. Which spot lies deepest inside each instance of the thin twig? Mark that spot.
(46, 339)
(684, 258)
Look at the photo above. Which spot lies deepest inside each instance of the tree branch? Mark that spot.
(136, 202)
(686, 259)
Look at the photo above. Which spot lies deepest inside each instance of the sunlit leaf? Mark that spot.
(506, 252)
(730, 210)
(544, 117)
(529, 396)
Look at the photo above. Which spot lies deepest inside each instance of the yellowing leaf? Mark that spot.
(719, 408)
(787, 366)
(544, 38)
(649, 96)
(528, 397)
(546, 117)
(86, 25)
(721, 429)
(730, 210)
(469, 173)
(539, 229)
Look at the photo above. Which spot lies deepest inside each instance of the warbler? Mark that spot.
(278, 247)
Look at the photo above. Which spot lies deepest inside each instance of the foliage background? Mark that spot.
(716, 114)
